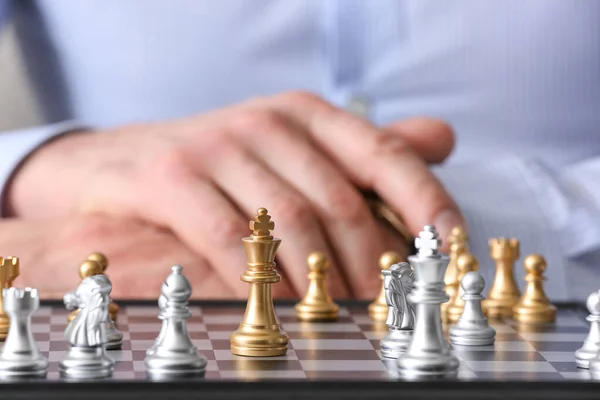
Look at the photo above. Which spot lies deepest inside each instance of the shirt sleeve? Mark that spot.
(555, 214)
(19, 144)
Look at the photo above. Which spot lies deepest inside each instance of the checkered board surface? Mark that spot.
(346, 349)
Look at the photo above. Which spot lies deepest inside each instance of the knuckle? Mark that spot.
(171, 165)
(389, 145)
(347, 206)
(293, 213)
(85, 228)
(261, 122)
(226, 231)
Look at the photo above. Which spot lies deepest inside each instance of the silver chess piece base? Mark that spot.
(87, 363)
(169, 363)
(113, 336)
(396, 342)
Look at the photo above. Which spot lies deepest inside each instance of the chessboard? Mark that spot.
(331, 359)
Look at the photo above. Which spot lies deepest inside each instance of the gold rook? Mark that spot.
(504, 293)
(9, 271)
(259, 333)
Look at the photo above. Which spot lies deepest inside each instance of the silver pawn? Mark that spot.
(398, 281)
(591, 344)
(175, 354)
(86, 333)
(472, 328)
(428, 355)
(162, 304)
(20, 356)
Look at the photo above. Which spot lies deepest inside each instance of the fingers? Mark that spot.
(432, 139)
(249, 183)
(206, 220)
(376, 159)
(352, 231)
(169, 195)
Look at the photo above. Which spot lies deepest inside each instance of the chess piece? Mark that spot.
(174, 353)
(428, 354)
(504, 293)
(86, 333)
(378, 309)
(162, 305)
(9, 271)
(533, 307)
(472, 328)
(86, 269)
(398, 283)
(317, 305)
(100, 258)
(259, 333)
(591, 344)
(113, 336)
(20, 356)
(458, 243)
(465, 263)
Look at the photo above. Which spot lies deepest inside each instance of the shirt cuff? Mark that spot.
(18, 145)
(512, 197)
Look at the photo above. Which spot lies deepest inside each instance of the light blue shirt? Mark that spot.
(518, 80)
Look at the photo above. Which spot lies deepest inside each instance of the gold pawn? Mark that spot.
(466, 262)
(534, 307)
(259, 333)
(504, 292)
(100, 258)
(86, 269)
(458, 245)
(9, 271)
(317, 305)
(378, 309)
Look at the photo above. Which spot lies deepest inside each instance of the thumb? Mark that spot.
(432, 139)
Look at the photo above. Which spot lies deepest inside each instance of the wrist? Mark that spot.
(39, 185)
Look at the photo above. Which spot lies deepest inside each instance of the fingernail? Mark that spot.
(446, 221)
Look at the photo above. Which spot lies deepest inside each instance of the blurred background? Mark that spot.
(17, 105)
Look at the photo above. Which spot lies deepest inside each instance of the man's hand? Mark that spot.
(202, 178)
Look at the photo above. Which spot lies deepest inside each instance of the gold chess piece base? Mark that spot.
(535, 315)
(499, 309)
(258, 341)
(316, 312)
